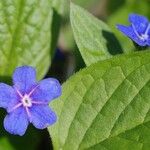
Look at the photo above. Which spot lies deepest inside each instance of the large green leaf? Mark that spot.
(106, 106)
(25, 35)
(93, 37)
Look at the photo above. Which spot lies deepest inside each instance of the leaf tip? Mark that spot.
(72, 5)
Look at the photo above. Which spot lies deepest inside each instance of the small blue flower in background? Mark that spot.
(138, 31)
(27, 101)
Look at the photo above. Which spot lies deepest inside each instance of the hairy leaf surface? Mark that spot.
(93, 37)
(106, 106)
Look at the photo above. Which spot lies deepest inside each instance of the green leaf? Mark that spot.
(93, 37)
(58, 11)
(87, 3)
(106, 106)
(58, 5)
(25, 35)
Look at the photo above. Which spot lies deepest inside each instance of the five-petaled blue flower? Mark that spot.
(138, 31)
(27, 101)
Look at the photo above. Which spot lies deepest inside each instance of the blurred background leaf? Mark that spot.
(58, 11)
(25, 35)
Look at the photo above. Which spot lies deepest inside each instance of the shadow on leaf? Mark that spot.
(113, 44)
(55, 28)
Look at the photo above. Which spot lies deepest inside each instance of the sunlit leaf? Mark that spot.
(93, 37)
(106, 106)
(25, 35)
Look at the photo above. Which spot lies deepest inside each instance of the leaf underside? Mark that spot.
(93, 37)
(106, 106)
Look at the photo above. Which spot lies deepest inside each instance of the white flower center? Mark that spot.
(144, 37)
(26, 101)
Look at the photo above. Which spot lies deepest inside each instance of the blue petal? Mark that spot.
(128, 31)
(8, 97)
(16, 122)
(148, 42)
(47, 90)
(42, 116)
(24, 78)
(140, 22)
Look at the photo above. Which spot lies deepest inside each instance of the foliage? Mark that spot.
(104, 106)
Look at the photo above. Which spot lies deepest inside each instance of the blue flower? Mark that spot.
(27, 101)
(138, 31)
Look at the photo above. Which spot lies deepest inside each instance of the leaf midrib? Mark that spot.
(18, 26)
